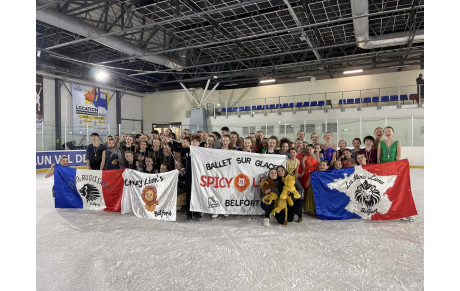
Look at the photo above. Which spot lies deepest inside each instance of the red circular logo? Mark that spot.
(241, 182)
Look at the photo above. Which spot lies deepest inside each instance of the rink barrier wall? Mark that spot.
(44, 159)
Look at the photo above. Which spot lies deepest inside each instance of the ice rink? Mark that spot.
(97, 250)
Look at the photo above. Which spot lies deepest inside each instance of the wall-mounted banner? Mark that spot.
(45, 159)
(90, 109)
(152, 196)
(39, 101)
(227, 182)
(376, 191)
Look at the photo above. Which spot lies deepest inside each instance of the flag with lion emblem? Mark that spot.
(376, 191)
(151, 196)
(88, 189)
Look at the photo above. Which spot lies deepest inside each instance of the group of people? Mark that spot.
(160, 153)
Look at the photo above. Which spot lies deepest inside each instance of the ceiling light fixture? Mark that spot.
(353, 71)
(101, 75)
(267, 81)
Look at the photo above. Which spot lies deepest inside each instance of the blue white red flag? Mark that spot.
(88, 189)
(376, 191)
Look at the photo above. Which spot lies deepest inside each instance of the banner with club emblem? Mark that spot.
(376, 191)
(152, 196)
(87, 189)
(227, 182)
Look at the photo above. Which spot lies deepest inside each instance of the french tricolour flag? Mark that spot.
(88, 189)
(376, 191)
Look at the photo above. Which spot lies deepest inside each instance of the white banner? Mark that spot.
(89, 186)
(152, 196)
(39, 101)
(227, 182)
(90, 109)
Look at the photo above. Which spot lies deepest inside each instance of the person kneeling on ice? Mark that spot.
(269, 194)
(295, 195)
(63, 161)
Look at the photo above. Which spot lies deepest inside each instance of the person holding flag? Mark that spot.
(389, 150)
(63, 161)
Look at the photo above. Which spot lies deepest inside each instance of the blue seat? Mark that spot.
(242, 108)
(375, 99)
(229, 109)
(260, 107)
(224, 109)
(321, 103)
(306, 104)
(357, 100)
(267, 106)
(367, 100)
(235, 109)
(404, 98)
(385, 99)
(313, 103)
(394, 98)
(298, 104)
(254, 108)
(291, 105)
(342, 101)
(350, 101)
(285, 105)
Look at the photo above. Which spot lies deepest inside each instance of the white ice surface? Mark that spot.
(97, 250)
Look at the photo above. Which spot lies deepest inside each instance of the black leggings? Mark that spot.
(267, 208)
(294, 209)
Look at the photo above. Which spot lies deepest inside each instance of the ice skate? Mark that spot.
(266, 222)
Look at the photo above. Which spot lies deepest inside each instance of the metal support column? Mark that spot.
(57, 111)
(412, 129)
(118, 108)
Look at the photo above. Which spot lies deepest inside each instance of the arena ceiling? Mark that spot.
(156, 45)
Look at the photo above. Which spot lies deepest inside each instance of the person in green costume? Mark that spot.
(389, 150)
